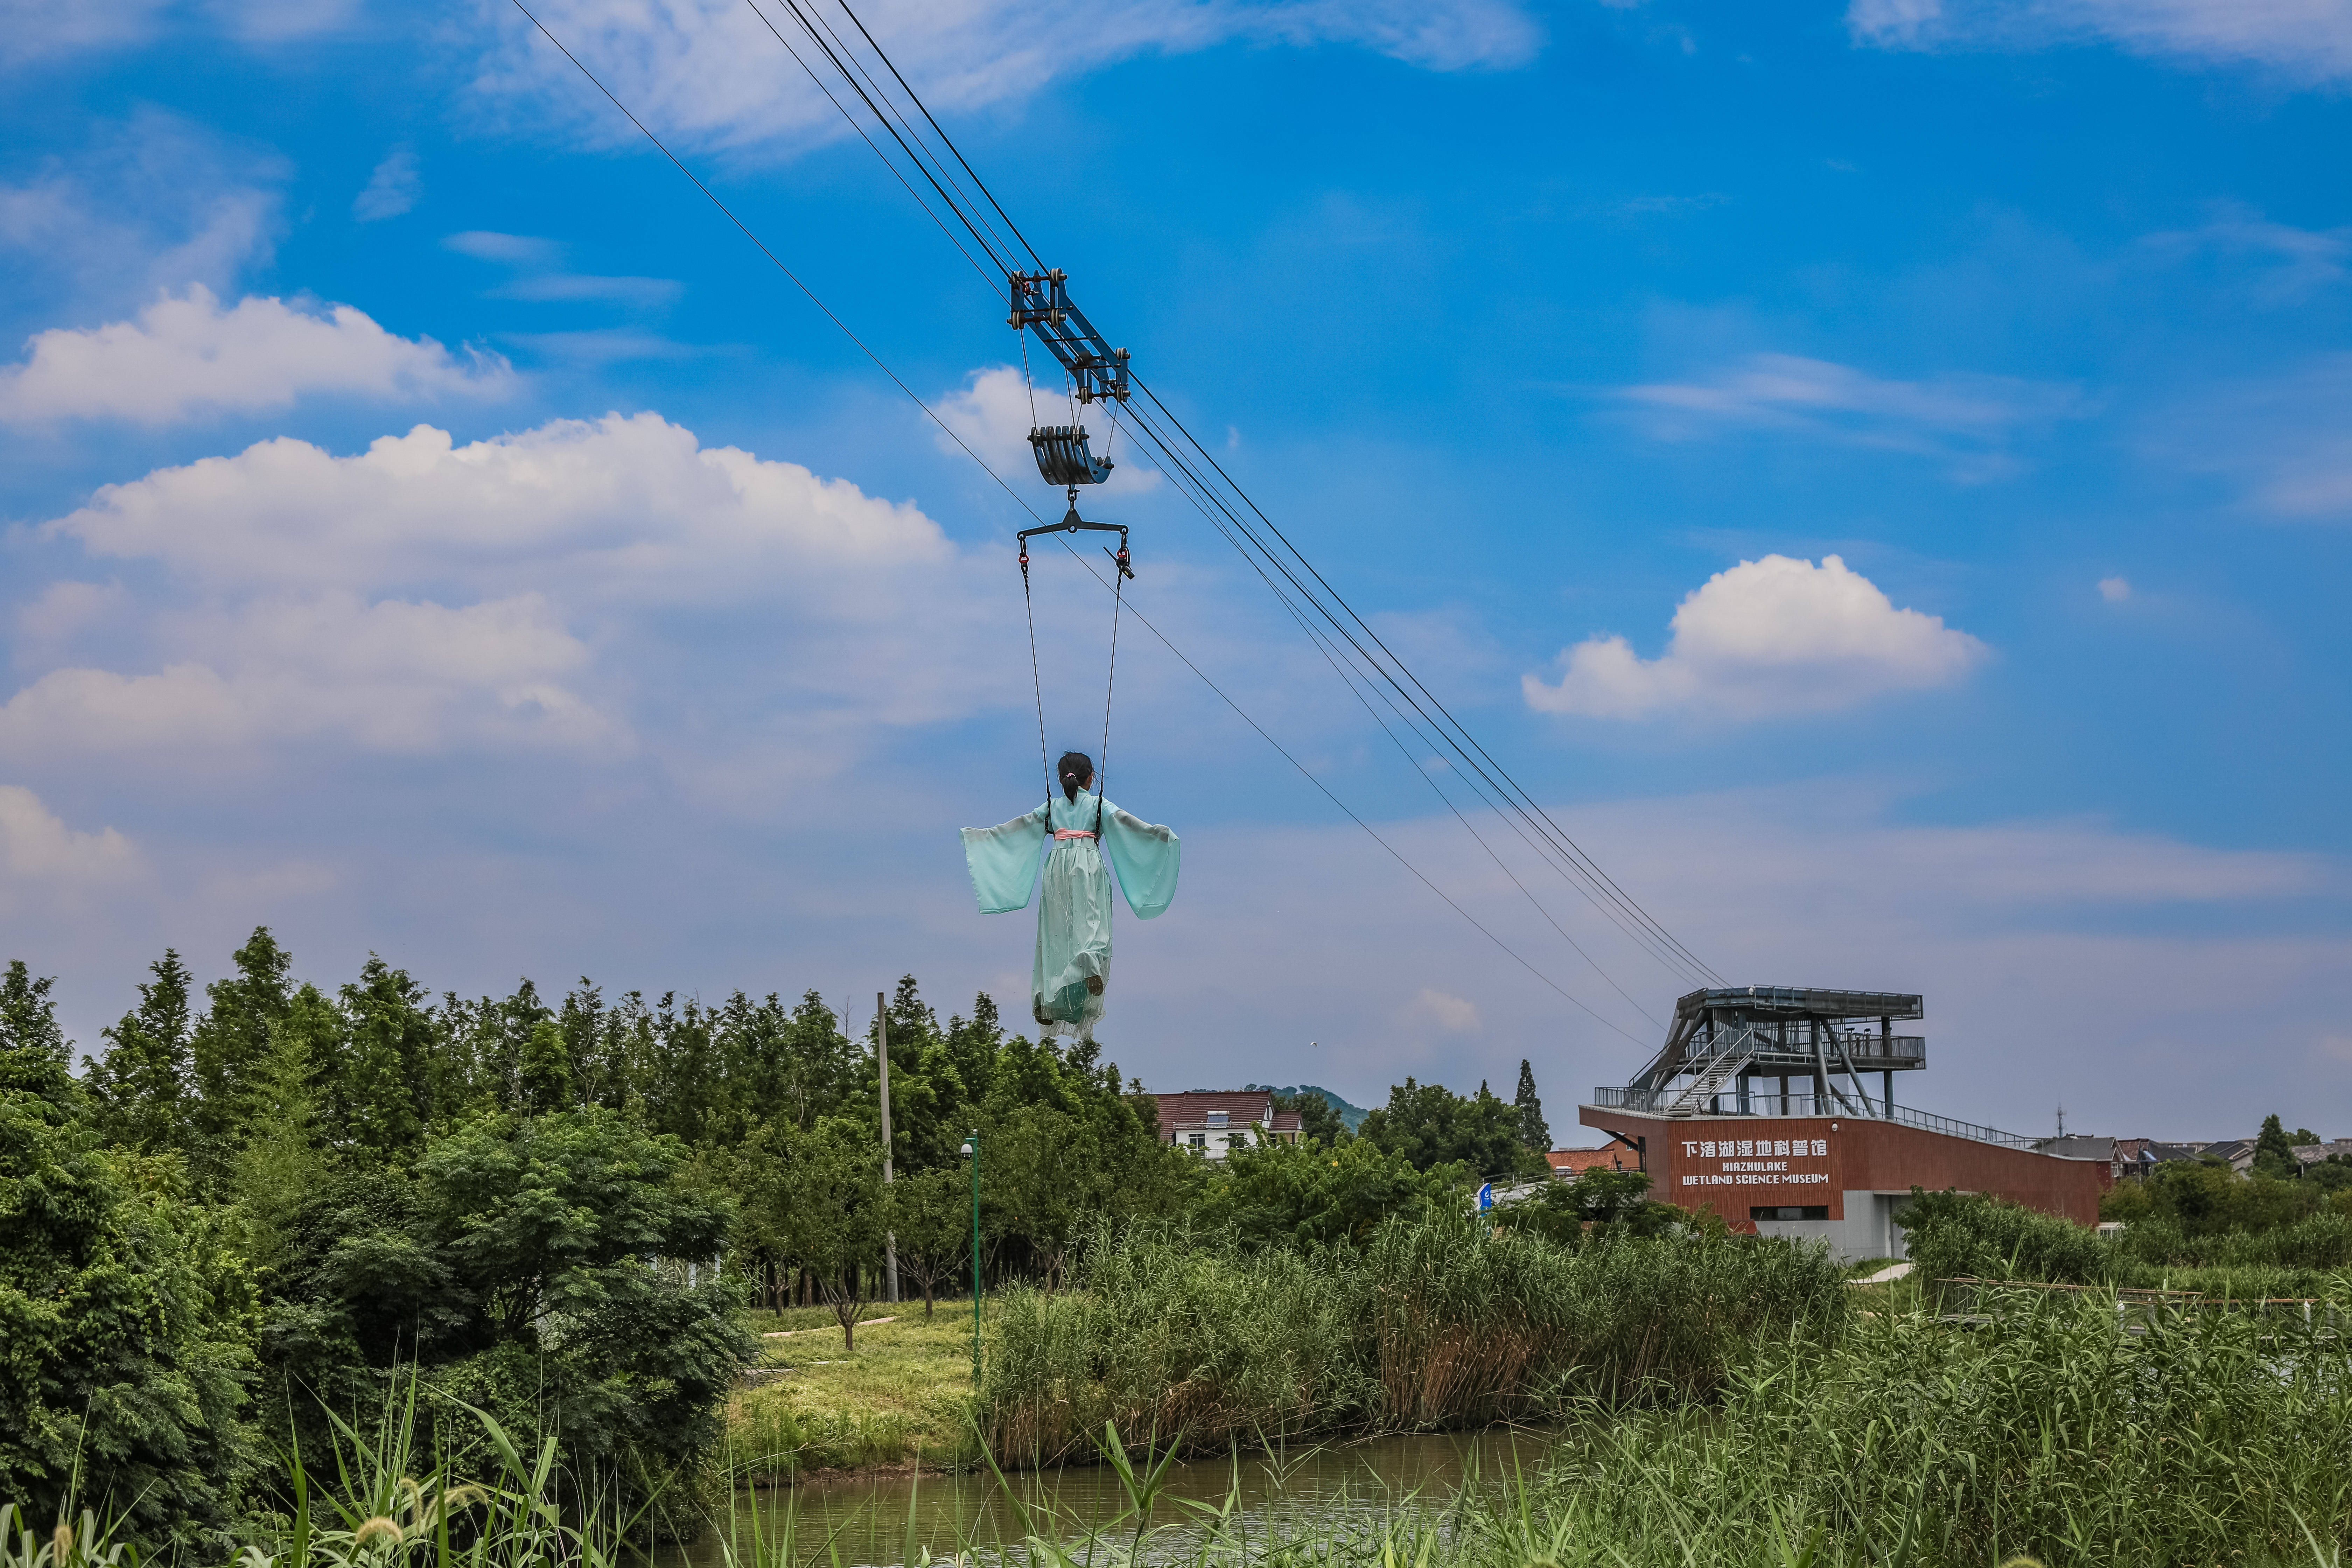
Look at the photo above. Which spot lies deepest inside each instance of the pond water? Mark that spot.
(884, 1522)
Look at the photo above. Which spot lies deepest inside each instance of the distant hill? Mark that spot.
(1352, 1115)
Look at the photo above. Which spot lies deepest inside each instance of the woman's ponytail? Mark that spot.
(1076, 770)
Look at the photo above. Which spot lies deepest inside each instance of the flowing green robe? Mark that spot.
(1074, 920)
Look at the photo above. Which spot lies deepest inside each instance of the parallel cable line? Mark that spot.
(1019, 501)
(1340, 669)
(1474, 776)
(1614, 910)
(1591, 867)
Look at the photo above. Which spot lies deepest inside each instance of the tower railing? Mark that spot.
(1663, 1102)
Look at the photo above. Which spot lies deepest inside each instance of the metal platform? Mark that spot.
(1731, 1049)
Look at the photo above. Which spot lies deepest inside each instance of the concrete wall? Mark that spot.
(1857, 1169)
(1865, 1227)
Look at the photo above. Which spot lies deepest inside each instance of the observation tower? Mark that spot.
(1774, 1107)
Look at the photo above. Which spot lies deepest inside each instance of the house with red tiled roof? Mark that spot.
(1570, 1163)
(1211, 1121)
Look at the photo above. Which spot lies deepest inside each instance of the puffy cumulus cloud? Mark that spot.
(2306, 40)
(185, 354)
(422, 596)
(1968, 420)
(990, 414)
(1771, 637)
(629, 506)
(66, 608)
(707, 71)
(37, 846)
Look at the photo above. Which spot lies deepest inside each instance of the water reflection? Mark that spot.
(888, 1521)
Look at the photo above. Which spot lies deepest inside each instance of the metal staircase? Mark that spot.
(1716, 1071)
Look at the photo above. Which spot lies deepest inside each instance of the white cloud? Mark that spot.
(707, 73)
(153, 202)
(1967, 419)
(991, 414)
(392, 190)
(2290, 263)
(1766, 637)
(422, 596)
(38, 31)
(186, 354)
(1454, 1015)
(2286, 442)
(66, 607)
(386, 677)
(535, 261)
(36, 845)
(2115, 590)
(515, 249)
(2305, 40)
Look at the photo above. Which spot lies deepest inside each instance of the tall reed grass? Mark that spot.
(2055, 1433)
(2060, 1431)
(1435, 1323)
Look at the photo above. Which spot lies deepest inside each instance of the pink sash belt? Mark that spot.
(1070, 833)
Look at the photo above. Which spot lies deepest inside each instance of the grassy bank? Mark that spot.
(902, 1397)
(1895, 1441)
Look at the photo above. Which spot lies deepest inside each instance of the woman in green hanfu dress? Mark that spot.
(1090, 838)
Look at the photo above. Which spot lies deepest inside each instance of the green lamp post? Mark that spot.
(971, 1149)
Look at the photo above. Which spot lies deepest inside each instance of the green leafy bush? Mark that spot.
(125, 1316)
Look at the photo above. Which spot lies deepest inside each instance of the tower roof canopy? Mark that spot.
(1798, 1001)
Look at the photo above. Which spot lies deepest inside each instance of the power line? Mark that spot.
(1573, 863)
(1164, 641)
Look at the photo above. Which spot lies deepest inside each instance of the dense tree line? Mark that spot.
(262, 1201)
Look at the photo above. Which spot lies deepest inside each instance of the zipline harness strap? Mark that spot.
(1102, 769)
(1037, 683)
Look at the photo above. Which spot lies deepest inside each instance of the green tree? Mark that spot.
(226, 1050)
(124, 1332)
(1535, 1132)
(817, 1199)
(927, 1118)
(1430, 1126)
(383, 1099)
(140, 1085)
(1318, 1119)
(930, 1213)
(2273, 1154)
(1313, 1195)
(1599, 1201)
(546, 1070)
(521, 1264)
(285, 1159)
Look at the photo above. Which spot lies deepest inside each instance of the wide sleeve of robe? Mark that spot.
(1145, 855)
(1003, 862)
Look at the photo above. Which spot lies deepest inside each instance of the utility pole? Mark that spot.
(882, 1054)
(971, 1149)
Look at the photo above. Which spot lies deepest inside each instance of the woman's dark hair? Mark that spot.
(1075, 770)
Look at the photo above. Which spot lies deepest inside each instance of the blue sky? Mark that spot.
(1880, 473)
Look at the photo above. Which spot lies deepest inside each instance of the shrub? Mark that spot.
(1953, 1235)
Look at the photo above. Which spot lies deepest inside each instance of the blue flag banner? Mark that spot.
(1486, 1196)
